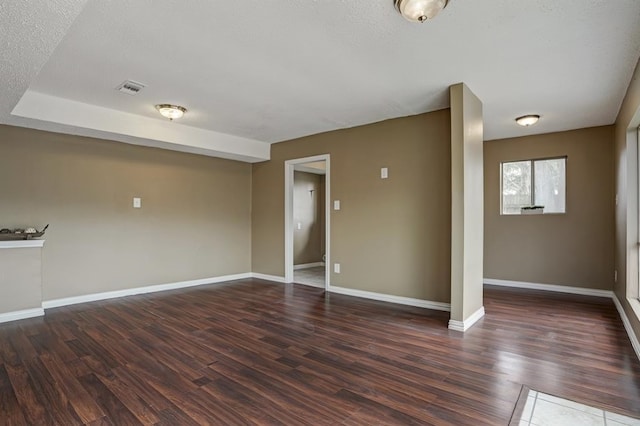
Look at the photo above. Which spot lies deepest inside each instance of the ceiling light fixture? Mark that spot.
(171, 111)
(420, 10)
(528, 120)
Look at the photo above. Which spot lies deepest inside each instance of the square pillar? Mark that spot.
(467, 208)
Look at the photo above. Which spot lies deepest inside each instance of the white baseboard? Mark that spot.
(438, 306)
(550, 287)
(18, 315)
(266, 277)
(627, 326)
(55, 303)
(307, 265)
(466, 324)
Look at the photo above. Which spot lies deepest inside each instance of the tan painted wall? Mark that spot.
(572, 249)
(467, 225)
(391, 236)
(20, 279)
(195, 220)
(626, 218)
(307, 211)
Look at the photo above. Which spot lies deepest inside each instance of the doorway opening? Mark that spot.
(307, 221)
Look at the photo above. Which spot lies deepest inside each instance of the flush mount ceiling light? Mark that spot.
(420, 10)
(528, 120)
(171, 111)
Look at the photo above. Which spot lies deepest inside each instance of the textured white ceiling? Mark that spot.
(29, 32)
(266, 71)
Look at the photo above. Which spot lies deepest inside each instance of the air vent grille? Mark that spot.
(130, 87)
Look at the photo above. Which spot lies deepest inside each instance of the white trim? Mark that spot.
(635, 306)
(18, 315)
(266, 277)
(313, 170)
(289, 168)
(307, 265)
(551, 287)
(21, 244)
(55, 303)
(466, 324)
(427, 304)
(627, 326)
(327, 223)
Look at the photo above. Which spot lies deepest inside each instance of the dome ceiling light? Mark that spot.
(420, 10)
(528, 120)
(171, 111)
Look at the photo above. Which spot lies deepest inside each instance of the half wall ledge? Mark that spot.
(21, 280)
(21, 244)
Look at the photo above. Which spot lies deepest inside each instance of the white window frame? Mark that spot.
(533, 182)
(630, 295)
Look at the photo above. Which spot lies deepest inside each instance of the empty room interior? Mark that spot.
(383, 212)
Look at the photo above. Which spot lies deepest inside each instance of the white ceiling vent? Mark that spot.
(130, 87)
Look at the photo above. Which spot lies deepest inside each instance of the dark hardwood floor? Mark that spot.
(254, 352)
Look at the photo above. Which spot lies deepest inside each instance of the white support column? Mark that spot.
(467, 207)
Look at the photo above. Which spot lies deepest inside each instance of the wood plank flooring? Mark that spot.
(254, 352)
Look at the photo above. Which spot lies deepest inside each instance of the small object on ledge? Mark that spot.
(532, 210)
(21, 234)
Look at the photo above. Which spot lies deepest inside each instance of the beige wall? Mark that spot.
(572, 249)
(626, 218)
(195, 220)
(391, 236)
(20, 279)
(307, 212)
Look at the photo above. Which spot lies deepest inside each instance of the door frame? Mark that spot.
(289, 168)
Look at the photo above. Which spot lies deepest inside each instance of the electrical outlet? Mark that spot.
(336, 204)
(137, 202)
(336, 268)
(384, 173)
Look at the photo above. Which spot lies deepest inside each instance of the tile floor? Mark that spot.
(310, 276)
(547, 410)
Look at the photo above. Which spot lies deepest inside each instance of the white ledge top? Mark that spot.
(21, 244)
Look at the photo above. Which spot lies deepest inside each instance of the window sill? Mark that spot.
(533, 214)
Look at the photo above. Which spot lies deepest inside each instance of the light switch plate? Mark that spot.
(137, 202)
(336, 204)
(384, 173)
(336, 268)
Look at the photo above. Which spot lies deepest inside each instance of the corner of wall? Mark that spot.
(626, 215)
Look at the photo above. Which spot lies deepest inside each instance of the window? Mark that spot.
(534, 186)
